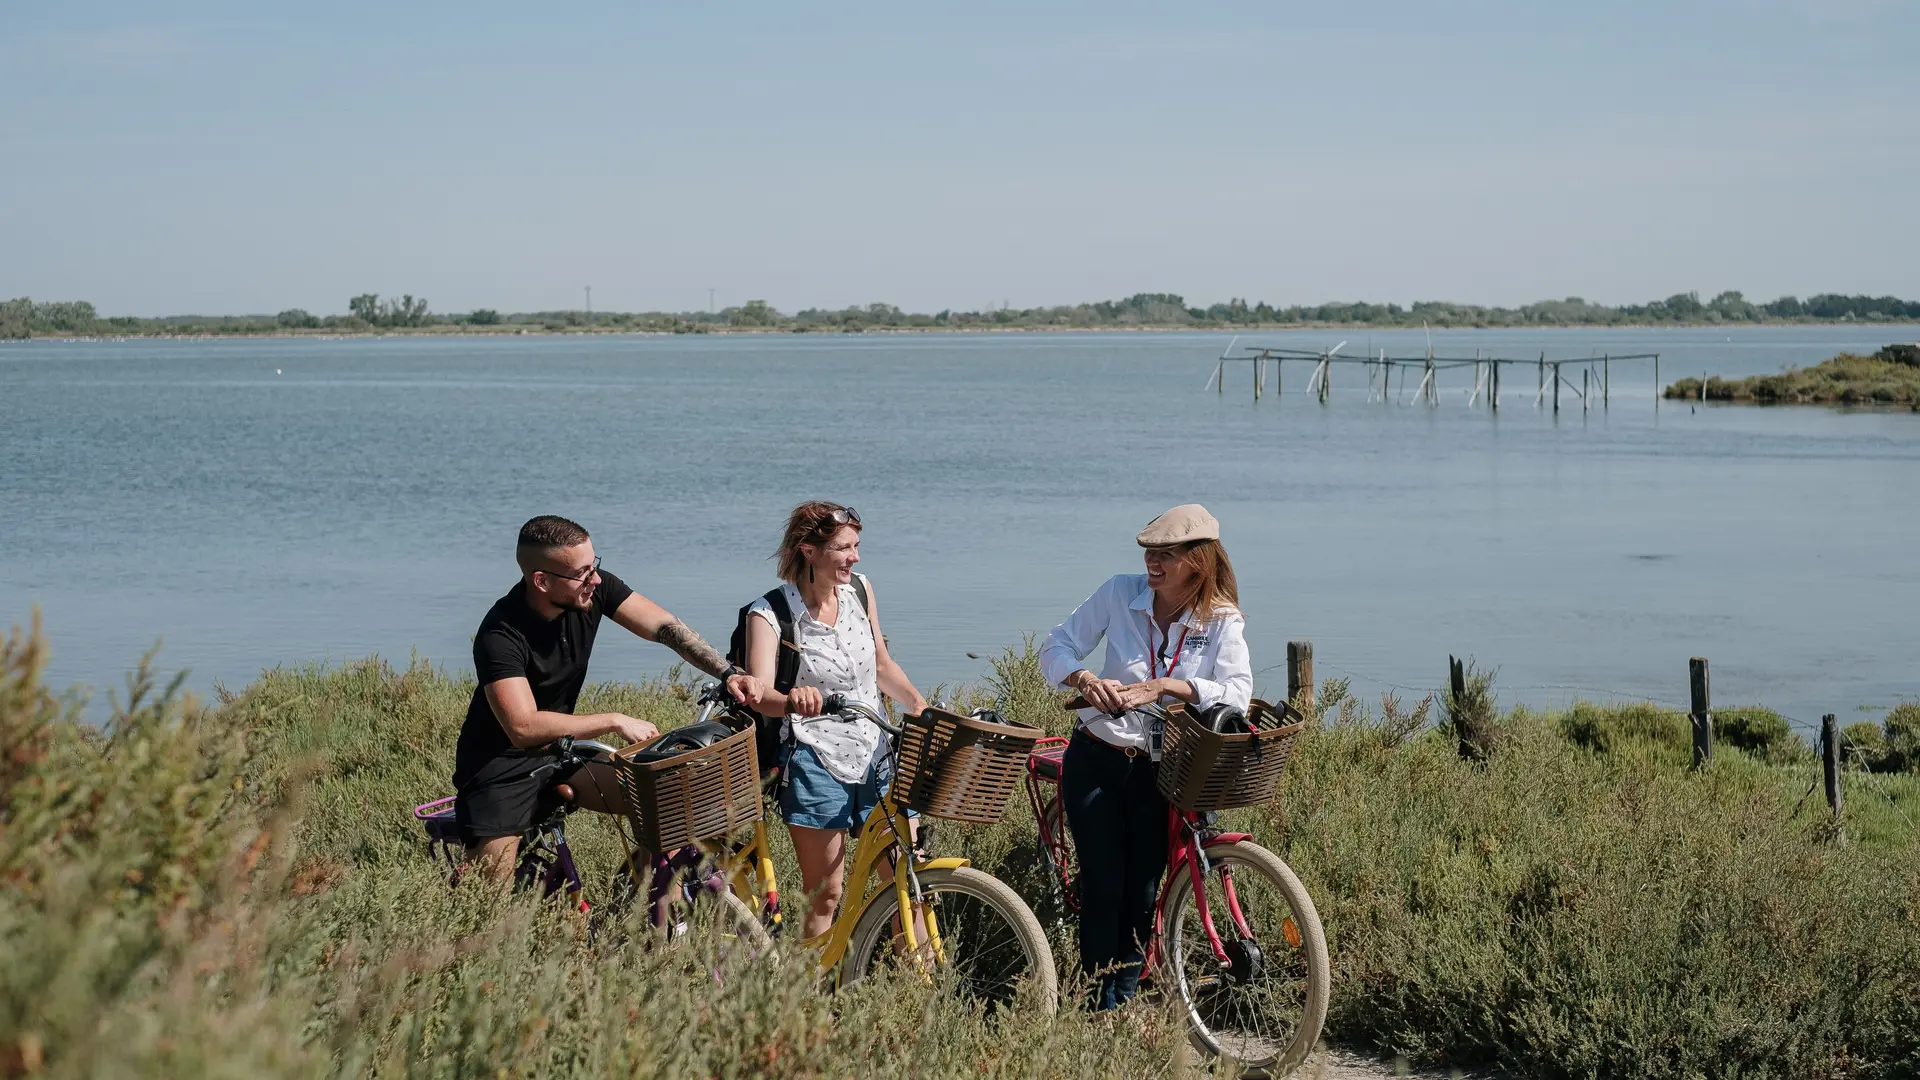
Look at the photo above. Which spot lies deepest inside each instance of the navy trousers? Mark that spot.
(1119, 826)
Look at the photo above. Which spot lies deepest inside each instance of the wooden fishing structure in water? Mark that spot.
(1595, 385)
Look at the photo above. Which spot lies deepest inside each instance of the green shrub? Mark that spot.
(240, 891)
(1763, 733)
(1863, 742)
(1608, 729)
(1901, 735)
(1469, 712)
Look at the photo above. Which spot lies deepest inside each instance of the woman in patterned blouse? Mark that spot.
(833, 771)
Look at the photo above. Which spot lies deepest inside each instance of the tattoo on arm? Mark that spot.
(692, 648)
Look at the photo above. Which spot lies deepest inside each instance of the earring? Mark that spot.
(809, 573)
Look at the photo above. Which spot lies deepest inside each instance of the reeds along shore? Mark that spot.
(236, 889)
(1888, 378)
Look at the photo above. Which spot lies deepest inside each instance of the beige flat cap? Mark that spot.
(1180, 525)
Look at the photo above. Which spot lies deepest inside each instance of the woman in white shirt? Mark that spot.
(833, 771)
(1172, 633)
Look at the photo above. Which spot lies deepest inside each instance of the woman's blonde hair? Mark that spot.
(811, 522)
(1214, 588)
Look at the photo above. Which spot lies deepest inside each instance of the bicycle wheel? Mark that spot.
(1264, 1007)
(990, 942)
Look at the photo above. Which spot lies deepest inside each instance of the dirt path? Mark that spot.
(1341, 1065)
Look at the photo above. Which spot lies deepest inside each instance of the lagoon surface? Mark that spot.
(256, 503)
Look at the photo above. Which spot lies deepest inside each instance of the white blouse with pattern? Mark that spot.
(837, 659)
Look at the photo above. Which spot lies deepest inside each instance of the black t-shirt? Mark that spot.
(551, 654)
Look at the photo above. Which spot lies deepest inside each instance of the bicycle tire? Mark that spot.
(958, 897)
(1238, 1014)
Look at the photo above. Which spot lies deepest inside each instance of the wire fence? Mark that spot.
(1847, 748)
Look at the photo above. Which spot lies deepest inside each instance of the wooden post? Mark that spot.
(1703, 388)
(1542, 391)
(1702, 715)
(1256, 378)
(1556, 388)
(1586, 386)
(1468, 738)
(1495, 399)
(1220, 376)
(1279, 371)
(1300, 673)
(1656, 382)
(1606, 381)
(1830, 761)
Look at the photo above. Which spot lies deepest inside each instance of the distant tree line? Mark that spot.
(368, 312)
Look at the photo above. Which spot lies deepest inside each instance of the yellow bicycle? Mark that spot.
(963, 925)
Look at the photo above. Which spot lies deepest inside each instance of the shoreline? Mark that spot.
(729, 331)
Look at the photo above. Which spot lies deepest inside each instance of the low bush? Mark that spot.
(1762, 733)
(238, 890)
(1862, 742)
(1900, 739)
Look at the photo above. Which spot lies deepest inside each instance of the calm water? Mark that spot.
(258, 503)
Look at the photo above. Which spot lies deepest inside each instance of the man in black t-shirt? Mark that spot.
(531, 655)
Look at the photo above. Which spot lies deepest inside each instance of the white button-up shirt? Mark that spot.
(1211, 653)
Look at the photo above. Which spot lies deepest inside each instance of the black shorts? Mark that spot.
(509, 794)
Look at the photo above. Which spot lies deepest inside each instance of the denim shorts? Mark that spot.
(813, 798)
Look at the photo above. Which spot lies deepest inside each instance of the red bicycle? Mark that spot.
(1235, 934)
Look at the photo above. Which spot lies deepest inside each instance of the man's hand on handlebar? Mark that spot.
(746, 689)
(633, 730)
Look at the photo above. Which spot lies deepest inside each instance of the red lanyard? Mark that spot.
(1153, 667)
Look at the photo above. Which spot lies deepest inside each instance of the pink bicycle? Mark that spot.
(1236, 936)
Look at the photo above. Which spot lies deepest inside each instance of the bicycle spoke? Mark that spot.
(981, 952)
(1251, 1005)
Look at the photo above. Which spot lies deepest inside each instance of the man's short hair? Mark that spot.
(543, 535)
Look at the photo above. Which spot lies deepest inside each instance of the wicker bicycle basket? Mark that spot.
(702, 794)
(1202, 769)
(954, 766)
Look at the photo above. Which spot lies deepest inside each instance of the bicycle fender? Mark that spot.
(1227, 838)
(942, 864)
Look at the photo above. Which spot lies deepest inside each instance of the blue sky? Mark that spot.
(201, 157)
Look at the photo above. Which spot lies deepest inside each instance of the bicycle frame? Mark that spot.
(880, 836)
(1188, 838)
(544, 855)
(1187, 844)
(886, 830)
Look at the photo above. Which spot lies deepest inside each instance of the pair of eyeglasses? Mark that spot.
(590, 571)
(846, 515)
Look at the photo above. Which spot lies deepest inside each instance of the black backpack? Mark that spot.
(786, 664)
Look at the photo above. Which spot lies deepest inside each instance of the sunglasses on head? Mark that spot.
(846, 515)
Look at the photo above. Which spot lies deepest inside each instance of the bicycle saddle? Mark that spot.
(681, 740)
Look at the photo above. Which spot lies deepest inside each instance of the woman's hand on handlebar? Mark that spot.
(1141, 693)
(805, 701)
(1107, 695)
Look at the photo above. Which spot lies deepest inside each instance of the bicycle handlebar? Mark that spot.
(840, 705)
(1151, 708)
